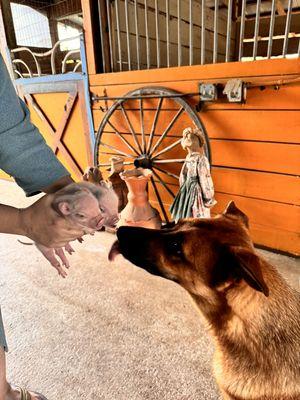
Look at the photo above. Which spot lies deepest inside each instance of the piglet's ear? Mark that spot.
(232, 211)
(248, 266)
(64, 208)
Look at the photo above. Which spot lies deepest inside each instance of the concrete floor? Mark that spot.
(109, 331)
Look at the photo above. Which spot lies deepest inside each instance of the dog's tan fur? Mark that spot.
(252, 313)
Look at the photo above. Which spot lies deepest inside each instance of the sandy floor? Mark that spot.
(109, 331)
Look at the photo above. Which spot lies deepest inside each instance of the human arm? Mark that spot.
(11, 220)
(25, 156)
(24, 153)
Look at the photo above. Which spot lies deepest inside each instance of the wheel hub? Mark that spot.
(143, 161)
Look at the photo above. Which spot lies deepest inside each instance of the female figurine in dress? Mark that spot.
(196, 194)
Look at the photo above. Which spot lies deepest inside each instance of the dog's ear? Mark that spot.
(247, 265)
(232, 211)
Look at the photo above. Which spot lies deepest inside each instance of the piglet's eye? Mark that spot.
(102, 209)
(80, 215)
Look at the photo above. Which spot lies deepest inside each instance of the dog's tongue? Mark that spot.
(114, 251)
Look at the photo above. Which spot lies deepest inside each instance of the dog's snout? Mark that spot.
(137, 243)
(132, 238)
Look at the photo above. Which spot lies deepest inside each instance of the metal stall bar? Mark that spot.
(127, 35)
(179, 33)
(256, 30)
(202, 32)
(103, 29)
(137, 36)
(110, 34)
(157, 34)
(147, 34)
(191, 31)
(216, 15)
(287, 28)
(242, 29)
(228, 34)
(168, 32)
(299, 48)
(271, 31)
(119, 35)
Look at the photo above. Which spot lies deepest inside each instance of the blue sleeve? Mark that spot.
(24, 153)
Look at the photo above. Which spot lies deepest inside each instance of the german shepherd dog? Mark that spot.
(253, 315)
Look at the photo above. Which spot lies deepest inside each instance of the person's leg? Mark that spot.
(3, 383)
(7, 392)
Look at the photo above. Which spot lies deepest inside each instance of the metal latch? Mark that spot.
(235, 91)
(208, 92)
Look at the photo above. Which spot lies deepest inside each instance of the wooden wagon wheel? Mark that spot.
(123, 132)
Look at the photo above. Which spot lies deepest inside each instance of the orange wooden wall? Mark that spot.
(255, 146)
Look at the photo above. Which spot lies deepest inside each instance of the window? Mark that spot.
(31, 27)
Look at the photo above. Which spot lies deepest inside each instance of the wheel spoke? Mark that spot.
(110, 154)
(142, 126)
(164, 185)
(130, 127)
(167, 148)
(159, 200)
(167, 173)
(122, 138)
(109, 164)
(116, 150)
(154, 124)
(164, 134)
(170, 161)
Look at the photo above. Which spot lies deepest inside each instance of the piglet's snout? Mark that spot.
(111, 220)
(105, 220)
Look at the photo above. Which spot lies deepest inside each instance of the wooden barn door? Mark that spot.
(59, 110)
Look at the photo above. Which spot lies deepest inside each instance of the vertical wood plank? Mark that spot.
(88, 35)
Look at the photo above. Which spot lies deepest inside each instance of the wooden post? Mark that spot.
(8, 24)
(4, 46)
(89, 18)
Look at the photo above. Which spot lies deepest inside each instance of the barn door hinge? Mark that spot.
(235, 90)
(208, 92)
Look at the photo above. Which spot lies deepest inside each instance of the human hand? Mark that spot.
(57, 257)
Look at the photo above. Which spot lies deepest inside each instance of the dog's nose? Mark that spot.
(133, 238)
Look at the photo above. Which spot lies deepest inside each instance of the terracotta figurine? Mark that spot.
(138, 211)
(196, 194)
(118, 184)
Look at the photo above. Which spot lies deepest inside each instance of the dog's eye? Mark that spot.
(175, 248)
